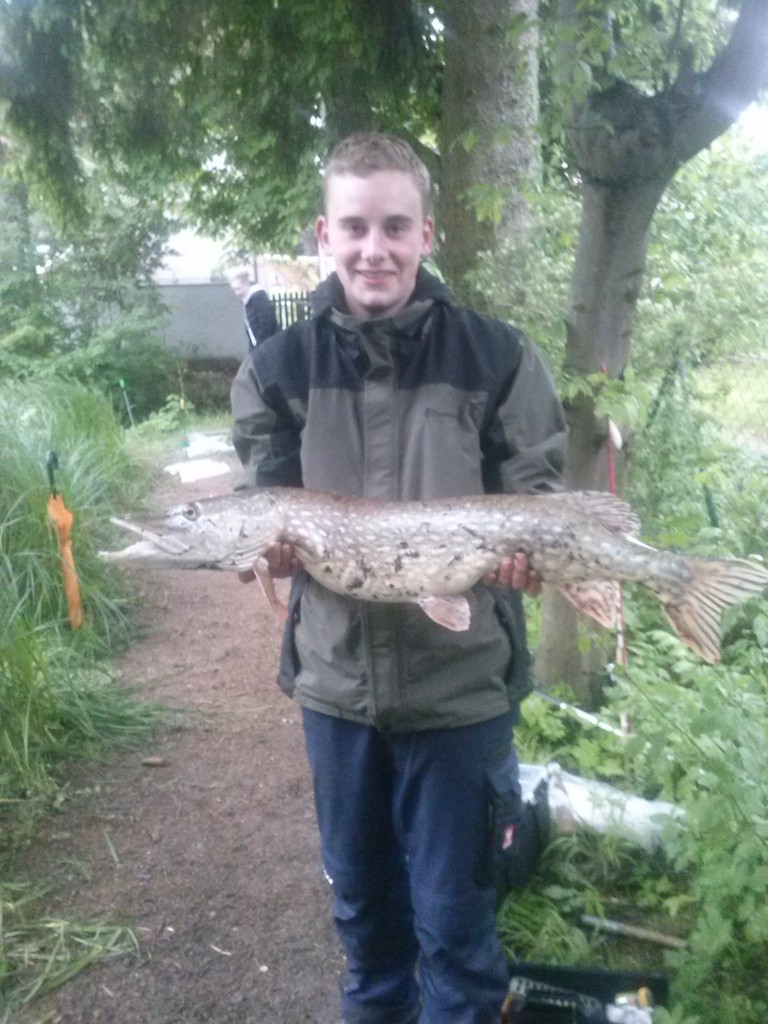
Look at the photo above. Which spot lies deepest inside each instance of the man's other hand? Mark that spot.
(517, 574)
(281, 560)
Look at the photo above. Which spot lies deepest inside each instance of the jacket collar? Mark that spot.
(406, 321)
(329, 294)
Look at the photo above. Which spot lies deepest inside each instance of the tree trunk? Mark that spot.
(605, 285)
(488, 140)
(627, 147)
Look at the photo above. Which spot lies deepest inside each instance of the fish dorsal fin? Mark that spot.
(451, 611)
(611, 512)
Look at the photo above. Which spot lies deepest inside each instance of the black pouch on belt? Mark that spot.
(519, 829)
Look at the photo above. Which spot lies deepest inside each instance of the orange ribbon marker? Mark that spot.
(62, 519)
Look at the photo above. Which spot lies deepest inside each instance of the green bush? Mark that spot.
(57, 701)
(147, 370)
(527, 283)
(56, 707)
(700, 739)
(96, 478)
(207, 385)
(701, 734)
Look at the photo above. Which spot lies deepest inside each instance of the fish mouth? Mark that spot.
(170, 545)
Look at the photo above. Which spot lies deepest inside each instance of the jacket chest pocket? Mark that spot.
(440, 444)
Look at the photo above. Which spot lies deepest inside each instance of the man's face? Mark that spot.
(376, 230)
(240, 286)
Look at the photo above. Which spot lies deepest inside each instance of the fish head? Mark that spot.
(229, 532)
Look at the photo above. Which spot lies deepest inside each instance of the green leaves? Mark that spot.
(257, 90)
(700, 740)
(705, 743)
(625, 400)
(487, 201)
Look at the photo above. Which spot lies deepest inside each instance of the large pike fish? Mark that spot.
(432, 552)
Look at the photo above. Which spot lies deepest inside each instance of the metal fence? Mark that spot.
(290, 307)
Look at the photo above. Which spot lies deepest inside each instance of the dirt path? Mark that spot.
(213, 856)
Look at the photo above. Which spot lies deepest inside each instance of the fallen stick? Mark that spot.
(632, 931)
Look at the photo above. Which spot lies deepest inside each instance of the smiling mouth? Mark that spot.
(375, 276)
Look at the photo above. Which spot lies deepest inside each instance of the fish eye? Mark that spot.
(192, 511)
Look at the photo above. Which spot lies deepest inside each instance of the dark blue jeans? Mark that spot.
(404, 831)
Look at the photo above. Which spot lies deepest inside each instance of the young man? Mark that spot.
(392, 392)
(260, 319)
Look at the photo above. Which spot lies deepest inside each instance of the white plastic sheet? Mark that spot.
(575, 802)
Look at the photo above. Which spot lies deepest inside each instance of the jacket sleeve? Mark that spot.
(265, 433)
(526, 443)
(260, 317)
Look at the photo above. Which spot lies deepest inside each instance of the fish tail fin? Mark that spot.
(715, 585)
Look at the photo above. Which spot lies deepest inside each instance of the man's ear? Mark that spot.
(428, 236)
(321, 228)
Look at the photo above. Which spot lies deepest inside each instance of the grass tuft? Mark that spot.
(38, 954)
(58, 701)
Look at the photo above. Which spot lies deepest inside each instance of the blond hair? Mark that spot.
(239, 274)
(367, 152)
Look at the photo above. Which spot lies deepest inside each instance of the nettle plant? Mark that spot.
(701, 740)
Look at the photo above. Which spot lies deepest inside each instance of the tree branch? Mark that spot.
(712, 101)
(622, 137)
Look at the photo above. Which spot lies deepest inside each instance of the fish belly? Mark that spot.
(399, 569)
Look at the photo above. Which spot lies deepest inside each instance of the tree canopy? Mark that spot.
(222, 105)
(225, 107)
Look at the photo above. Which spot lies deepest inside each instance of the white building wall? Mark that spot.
(204, 321)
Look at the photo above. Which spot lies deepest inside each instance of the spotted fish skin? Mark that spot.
(433, 552)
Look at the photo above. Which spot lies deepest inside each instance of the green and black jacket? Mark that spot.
(436, 401)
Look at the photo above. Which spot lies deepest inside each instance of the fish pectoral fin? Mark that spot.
(267, 584)
(599, 599)
(451, 611)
